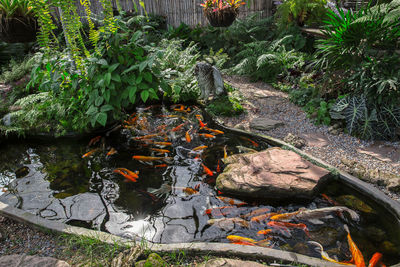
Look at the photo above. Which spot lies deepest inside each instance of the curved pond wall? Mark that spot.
(224, 249)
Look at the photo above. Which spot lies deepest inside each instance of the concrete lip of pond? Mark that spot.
(219, 249)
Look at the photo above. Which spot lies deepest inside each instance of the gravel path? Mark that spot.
(265, 101)
(20, 238)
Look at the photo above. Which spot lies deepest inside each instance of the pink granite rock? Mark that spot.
(274, 173)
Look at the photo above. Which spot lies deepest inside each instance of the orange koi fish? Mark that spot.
(241, 240)
(163, 143)
(225, 153)
(112, 152)
(145, 136)
(160, 150)
(202, 124)
(131, 173)
(214, 131)
(207, 136)
(264, 232)
(94, 140)
(221, 211)
(263, 217)
(161, 166)
(90, 153)
(300, 226)
(190, 191)
(325, 255)
(330, 200)
(178, 106)
(131, 176)
(147, 158)
(284, 216)
(187, 136)
(376, 260)
(251, 141)
(355, 252)
(218, 166)
(199, 148)
(232, 201)
(207, 170)
(177, 128)
(162, 127)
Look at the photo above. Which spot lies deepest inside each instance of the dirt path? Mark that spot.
(377, 162)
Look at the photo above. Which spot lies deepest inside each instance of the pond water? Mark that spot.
(174, 197)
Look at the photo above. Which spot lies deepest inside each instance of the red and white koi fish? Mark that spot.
(221, 211)
(256, 212)
(284, 225)
(232, 201)
(325, 255)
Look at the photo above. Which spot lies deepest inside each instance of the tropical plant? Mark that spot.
(177, 68)
(15, 8)
(367, 120)
(354, 37)
(266, 61)
(300, 12)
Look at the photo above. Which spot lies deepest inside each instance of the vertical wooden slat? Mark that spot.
(176, 11)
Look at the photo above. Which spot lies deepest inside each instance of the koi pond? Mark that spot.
(153, 177)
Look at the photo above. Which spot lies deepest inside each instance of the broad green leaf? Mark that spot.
(102, 118)
(132, 93)
(148, 76)
(106, 108)
(113, 67)
(92, 110)
(102, 62)
(99, 100)
(144, 95)
(116, 77)
(106, 96)
(142, 66)
(107, 79)
(139, 79)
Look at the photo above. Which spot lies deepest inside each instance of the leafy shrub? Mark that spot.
(16, 70)
(354, 37)
(301, 12)
(266, 61)
(176, 65)
(227, 105)
(365, 119)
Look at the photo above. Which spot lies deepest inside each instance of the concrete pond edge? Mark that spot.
(217, 249)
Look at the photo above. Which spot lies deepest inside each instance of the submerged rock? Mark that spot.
(228, 262)
(274, 174)
(355, 203)
(22, 172)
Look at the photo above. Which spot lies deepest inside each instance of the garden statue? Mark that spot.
(210, 81)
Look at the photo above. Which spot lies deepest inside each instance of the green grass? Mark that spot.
(87, 251)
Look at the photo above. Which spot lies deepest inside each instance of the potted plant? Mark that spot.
(221, 13)
(17, 22)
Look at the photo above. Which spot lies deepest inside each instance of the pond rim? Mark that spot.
(219, 249)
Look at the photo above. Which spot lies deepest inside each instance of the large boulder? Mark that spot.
(273, 173)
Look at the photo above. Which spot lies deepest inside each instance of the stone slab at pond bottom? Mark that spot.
(274, 173)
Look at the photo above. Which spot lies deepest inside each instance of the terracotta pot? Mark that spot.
(18, 29)
(221, 18)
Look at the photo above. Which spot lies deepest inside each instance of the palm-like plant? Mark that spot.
(15, 8)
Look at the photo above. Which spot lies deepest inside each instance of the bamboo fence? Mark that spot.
(177, 11)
